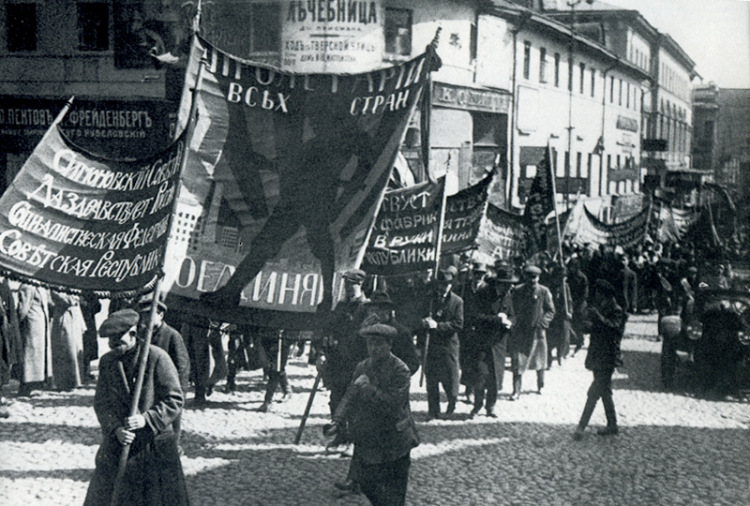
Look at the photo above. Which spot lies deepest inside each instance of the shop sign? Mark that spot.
(629, 124)
(473, 99)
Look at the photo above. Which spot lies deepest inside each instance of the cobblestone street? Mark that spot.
(674, 448)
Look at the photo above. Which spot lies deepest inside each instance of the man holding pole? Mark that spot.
(443, 318)
(152, 473)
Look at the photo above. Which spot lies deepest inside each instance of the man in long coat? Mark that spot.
(153, 473)
(34, 321)
(533, 310)
(443, 318)
(495, 317)
(11, 348)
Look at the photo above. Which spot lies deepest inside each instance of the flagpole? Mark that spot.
(144, 352)
(559, 236)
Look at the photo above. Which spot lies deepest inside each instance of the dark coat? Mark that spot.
(171, 341)
(607, 328)
(442, 353)
(490, 335)
(379, 415)
(533, 310)
(153, 474)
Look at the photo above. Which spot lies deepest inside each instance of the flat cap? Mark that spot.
(144, 303)
(355, 276)
(605, 286)
(379, 330)
(480, 267)
(532, 270)
(118, 323)
(447, 274)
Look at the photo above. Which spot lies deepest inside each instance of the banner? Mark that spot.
(583, 227)
(540, 203)
(463, 217)
(284, 175)
(502, 236)
(404, 237)
(73, 221)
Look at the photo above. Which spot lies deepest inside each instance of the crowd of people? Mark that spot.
(456, 327)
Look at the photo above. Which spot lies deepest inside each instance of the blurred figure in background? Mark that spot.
(67, 341)
(11, 347)
(34, 321)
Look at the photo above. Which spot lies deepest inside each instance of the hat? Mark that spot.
(532, 270)
(605, 286)
(118, 322)
(480, 267)
(355, 276)
(447, 274)
(381, 298)
(144, 303)
(379, 330)
(504, 273)
(692, 269)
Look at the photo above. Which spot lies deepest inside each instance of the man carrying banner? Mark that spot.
(443, 318)
(153, 474)
(533, 309)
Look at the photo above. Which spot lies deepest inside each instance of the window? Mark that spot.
(583, 75)
(570, 74)
(611, 90)
(627, 97)
(579, 160)
(542, 65)
(93, 26)
(398, 32)
(593, 82)
(526, 59)
(557, 70)
(587, 168)
(619, 94)
(21, 26)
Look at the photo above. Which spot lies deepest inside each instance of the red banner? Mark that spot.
(74, 221)
(540, 203)
(463, 216)
(285, 173)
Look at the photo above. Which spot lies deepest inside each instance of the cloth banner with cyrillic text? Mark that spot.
(74, 221)
(463, 217)
(284, 176)
(502, 236)
(583, 227)
(540, 203)
(404, 237)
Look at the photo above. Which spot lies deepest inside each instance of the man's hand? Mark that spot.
(134, 422)
(429, 323)
(124, 437)
(362, 380)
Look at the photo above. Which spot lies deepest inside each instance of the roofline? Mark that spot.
(519, 12)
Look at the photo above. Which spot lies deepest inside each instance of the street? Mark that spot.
(673, 448)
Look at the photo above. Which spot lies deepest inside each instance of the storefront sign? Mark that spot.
(629, 124)
(447, 95)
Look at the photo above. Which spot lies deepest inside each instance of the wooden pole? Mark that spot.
(298, 436)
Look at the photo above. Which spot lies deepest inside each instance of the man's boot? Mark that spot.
(609, 410)
(588, 410)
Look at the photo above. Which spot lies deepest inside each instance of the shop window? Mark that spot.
(398, 24)
(20, 28)
(93, 26)
(542, 65)
(526, 59)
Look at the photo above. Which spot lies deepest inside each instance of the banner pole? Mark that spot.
(559, 236)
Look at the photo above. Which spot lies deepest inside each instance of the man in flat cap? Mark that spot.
(153, 474)
(474, 294)
(533, 309)
(376, 404)
(443, 319)
(607, 327)
(342, 347)
(169, 340)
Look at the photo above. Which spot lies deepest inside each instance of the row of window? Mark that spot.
(639, 58)
(627, 94)
(579, 169)
(672, 81)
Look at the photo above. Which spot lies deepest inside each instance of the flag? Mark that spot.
(463, 217)
(74, 221)
(405, 235)
(540, 202)
(284, 176)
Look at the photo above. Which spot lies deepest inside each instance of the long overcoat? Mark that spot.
(533, 310)
(153, 474)
(171, 341)
(492, 336)
(67, 328)
(34, 321)
(442, 352)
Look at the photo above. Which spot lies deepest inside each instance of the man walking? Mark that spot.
(376, 404)
(533, 308)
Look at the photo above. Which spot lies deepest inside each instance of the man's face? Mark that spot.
(477, 277)
(143, 322)
(378, 348)
(352, 288)
(533, 279)
(122, 344)
(442, 285)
